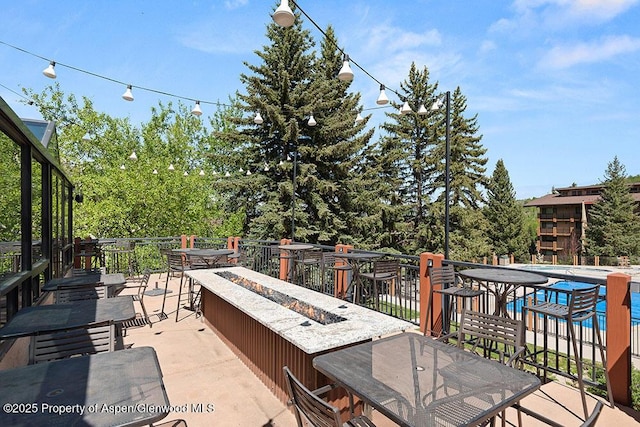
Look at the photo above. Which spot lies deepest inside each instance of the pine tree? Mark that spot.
(613, 228)
(287, 87)
(404, 163)
(467, 175)
(505, 216)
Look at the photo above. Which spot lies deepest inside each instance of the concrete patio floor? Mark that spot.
(199, 368)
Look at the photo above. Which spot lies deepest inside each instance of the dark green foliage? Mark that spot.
(289, 85)
(614, 226)
(506, 228)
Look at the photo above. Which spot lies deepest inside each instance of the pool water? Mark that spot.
(601, 306)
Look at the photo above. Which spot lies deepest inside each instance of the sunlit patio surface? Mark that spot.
(209, 385)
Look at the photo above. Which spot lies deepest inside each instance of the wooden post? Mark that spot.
(428, 260)
(619, 336)
(192, 241)
(285, 259)
(183, 242)
(76, 250)
(341, 276)
(229, 242)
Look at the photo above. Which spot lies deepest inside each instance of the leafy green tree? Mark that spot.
(137, 198)
(614, 224)
(506, 227)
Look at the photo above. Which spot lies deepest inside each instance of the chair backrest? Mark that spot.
(313, 256)
(80, 293)
(444, 276)
(315, 410)
(582, 304)
(175, 261)
(73, 342)
(144, 283)
(493, 335)
(386, 267)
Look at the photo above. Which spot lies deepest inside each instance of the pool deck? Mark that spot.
(600, 272)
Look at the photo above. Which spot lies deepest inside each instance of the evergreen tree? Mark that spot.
(614, 224)
(505, 216)
(287, 87)
(467, 179)
(403, 164)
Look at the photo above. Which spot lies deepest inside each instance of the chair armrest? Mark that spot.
(324, 389)
(445, 338)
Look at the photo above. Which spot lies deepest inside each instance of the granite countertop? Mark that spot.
(361, 323)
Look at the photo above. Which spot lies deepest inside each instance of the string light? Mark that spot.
(51, 73)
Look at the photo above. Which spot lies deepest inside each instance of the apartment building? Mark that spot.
(564, 215)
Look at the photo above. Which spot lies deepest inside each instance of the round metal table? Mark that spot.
(504, 280)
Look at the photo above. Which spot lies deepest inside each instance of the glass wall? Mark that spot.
(9, 206)
(35, 213)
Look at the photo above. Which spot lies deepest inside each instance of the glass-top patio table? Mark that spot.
(120, 388)
(417, 381)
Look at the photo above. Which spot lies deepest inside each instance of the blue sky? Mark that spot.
(555, 83)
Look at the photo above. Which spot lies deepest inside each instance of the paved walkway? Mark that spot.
(210, 386)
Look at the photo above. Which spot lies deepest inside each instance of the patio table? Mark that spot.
(504, 281)
(98, 279)
(55, 317)
(417, 381)
(122, 388)
(210, 257)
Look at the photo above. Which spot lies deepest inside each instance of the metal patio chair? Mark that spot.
(65, 295)
(451, 287)
(384, 272)
(308, 405)
(72, 342)
(581, 306)
(492, 337)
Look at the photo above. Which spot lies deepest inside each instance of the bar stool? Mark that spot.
(580, 307)
(450, 286)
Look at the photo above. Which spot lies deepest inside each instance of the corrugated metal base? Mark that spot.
(264, 351)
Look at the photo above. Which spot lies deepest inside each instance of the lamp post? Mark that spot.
(447, 160)
(447, 182)
(293, 194)
(294, 182)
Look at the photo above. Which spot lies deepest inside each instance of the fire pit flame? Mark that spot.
(317, 314)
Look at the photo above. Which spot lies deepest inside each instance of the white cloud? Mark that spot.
(584, 53)
(560, 14)
(600, 9)
(234, 4)
(390, 39)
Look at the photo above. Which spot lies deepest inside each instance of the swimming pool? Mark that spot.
(601, 306)
(566, 268)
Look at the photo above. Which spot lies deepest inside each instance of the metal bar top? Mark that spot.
(113, 279)
(55, 317)
(417, 381)
(504, 275)
(357, 256)
(121, 388)
(296, 247)
(202, 252)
